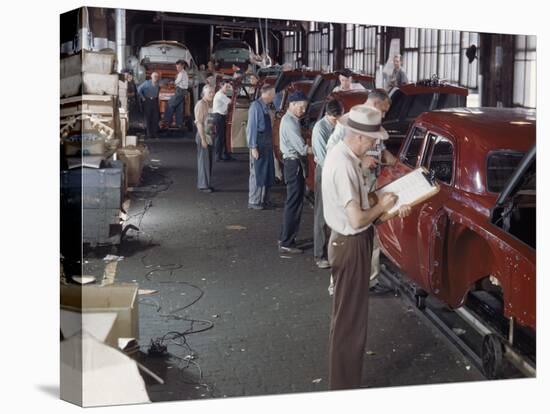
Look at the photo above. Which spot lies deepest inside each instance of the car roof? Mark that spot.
(231, 43)
(479, 131)
(498, 127)
(166, 42)
(417, 89)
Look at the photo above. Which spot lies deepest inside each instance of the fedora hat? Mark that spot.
(365, 120)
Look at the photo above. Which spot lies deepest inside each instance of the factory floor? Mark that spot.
(264, 318)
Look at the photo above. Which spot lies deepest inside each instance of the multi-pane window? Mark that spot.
(292, 47)
(360, 48)
(370, 51)
(469, 71)
(525, 71)
(327, 48)
(348, 50)
(428, 53)
(449, 55)
(314, 50)
(410, 54)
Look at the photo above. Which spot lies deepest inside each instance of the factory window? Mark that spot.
(449, 55)
(428, 53)
(292, 48)
(348, 49)
(327, 48)
(410, 54)
(314, 50)
(468, 71)
(370, 51)
(525, 75)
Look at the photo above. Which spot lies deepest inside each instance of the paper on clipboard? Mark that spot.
(413, 188)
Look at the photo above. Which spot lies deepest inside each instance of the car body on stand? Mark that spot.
(161, 57)
(467, 238)
(410, 100)
(229, 52)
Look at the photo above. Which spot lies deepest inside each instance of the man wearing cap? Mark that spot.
(175, 103)
(294, 150)
(319, 137)
(260, 142)
(345, 77)
(350, 212)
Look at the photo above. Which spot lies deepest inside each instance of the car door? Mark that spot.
(433, 222)
(397, 236)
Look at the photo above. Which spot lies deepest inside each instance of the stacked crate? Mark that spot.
(92, 185)
(92, 197)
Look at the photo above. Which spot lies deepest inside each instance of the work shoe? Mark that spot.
(255, 206)
(322, 263)
(290, 250)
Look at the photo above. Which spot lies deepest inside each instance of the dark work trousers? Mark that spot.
(205, 157)
(295, 187)
(151, 114)
(219, 122)
(175, 106)
(320, 228)
(350, 258)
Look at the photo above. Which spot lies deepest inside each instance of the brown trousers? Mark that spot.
(350, 258)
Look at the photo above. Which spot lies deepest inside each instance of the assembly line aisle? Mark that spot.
(270, 315)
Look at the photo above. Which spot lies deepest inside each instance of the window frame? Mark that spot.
(526, 63)
(409, 139)
(428, 153)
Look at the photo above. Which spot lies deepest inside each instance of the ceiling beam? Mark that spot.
(226, 23)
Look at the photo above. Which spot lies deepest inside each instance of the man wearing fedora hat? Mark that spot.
(372, 163)
(350, 212)
(294, 151)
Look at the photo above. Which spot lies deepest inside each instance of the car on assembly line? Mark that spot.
(161, 56)
(407, 103)
(410, 100)
(477, 234)
(316, 91)
(229, 52)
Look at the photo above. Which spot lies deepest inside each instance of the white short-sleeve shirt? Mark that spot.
(342, 182)
(221, 103)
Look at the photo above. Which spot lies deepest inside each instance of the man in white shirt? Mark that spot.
(350, 212)
(345, 77)
(219, 109)
(175, 103)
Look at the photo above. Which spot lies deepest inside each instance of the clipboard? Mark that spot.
(413, 188)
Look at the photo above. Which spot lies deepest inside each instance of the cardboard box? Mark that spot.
(87, 61)
(121, 299)
(99, 84)
(134, 159)
(70, 86)
(88, 104)
(84, 147)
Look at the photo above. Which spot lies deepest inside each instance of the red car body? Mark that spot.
(448, 243)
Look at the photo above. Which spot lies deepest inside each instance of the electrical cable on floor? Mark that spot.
(159, 346)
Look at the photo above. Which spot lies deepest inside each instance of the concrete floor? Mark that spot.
(270, 314)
